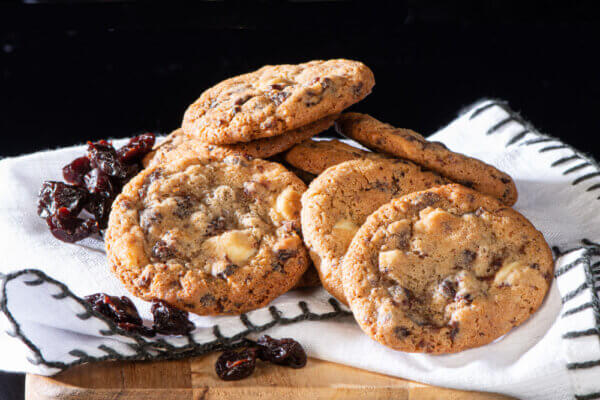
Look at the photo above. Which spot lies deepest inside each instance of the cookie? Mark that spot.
(444, 270)
(315, 156)
(178, 144)
(276, 99)
(339, 200)
(310, 279)
(209, 237)
(435, 156)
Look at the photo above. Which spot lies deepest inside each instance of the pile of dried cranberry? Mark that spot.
(235, 365)
(168, 320)
(93, 182)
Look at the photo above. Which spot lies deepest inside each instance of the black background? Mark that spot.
(90, 70)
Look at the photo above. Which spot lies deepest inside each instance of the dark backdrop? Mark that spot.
(73, 72)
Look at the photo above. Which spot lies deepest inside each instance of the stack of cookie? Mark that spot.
(419, 241)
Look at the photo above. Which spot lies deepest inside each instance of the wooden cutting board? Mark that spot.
(195, 379)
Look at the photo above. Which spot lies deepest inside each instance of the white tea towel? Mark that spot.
(46, 327)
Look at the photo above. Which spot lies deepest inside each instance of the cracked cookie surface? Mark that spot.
(339, 200)
(410, 145)
(209, 237)
(315, 156)
(444, 270)
(276, 99)
(179, 145)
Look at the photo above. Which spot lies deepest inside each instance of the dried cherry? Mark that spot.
(94, 182)
(286, 351)
(121, 311)
(68, 228)
(56, 195)
(169, 320)
(233, 365)
(76, 170)
(136, 149)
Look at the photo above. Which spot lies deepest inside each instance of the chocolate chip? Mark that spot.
(466, 258)
(535, 266)
(281, 257)
(311, 98)
(425, 200)
(150, 217)
(402, 240)
(401, 332)
(241, 100)
(207, 299)
(357, 89)
(229, 270)
(279, 98)
(448, 288)
(162, 252)
(504, 180)
(454, 328)
(216, 226)
(496, 263)
(184, 207)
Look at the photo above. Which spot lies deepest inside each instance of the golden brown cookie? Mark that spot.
(435, 156)
(315, 156)
(209, 237)
(444, 270)
(310, 279)
(276, 99)
(339, 200)
(178, 145)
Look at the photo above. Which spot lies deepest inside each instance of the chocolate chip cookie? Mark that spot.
(315, 156)
(276, 99)
(179, 145)
(435, 156)
(339, 200)
(444, 270)
(210, 237)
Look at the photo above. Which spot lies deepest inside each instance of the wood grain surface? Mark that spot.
(195, 379)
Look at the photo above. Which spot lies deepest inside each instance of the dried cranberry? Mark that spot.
(97, 182)
(55, 195)
(121, 310)
(103, 156)
(286, 352)
(76, 170)
(233, 366)
(68, 228)
(99, 206)
(169, 320)
(136, 148)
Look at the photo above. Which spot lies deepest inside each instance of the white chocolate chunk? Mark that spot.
(237, 246)
(389, 259)
(344, 230)
(504, 274)
(287, 203)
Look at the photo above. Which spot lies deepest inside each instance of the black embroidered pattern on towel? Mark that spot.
(588, 248)
(540, 138)
(144, 349)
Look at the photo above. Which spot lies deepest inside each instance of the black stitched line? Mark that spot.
(499, 124)
(246, 321)
(108, 350)
(568, 267)
(584, 364)
(574, 293)
(518, 137)
(586, 177)
(593, 187)
(550, 148)
(84, 315)
(576, 168)
(35, 282)
(565, 159)
(591, 396)
(60, 295)
(577, 309)
(578, 334)
(482, 109)
(538, 140)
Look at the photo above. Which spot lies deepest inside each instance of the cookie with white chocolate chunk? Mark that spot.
(339, 200)
(209, 237)
(444, 270)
